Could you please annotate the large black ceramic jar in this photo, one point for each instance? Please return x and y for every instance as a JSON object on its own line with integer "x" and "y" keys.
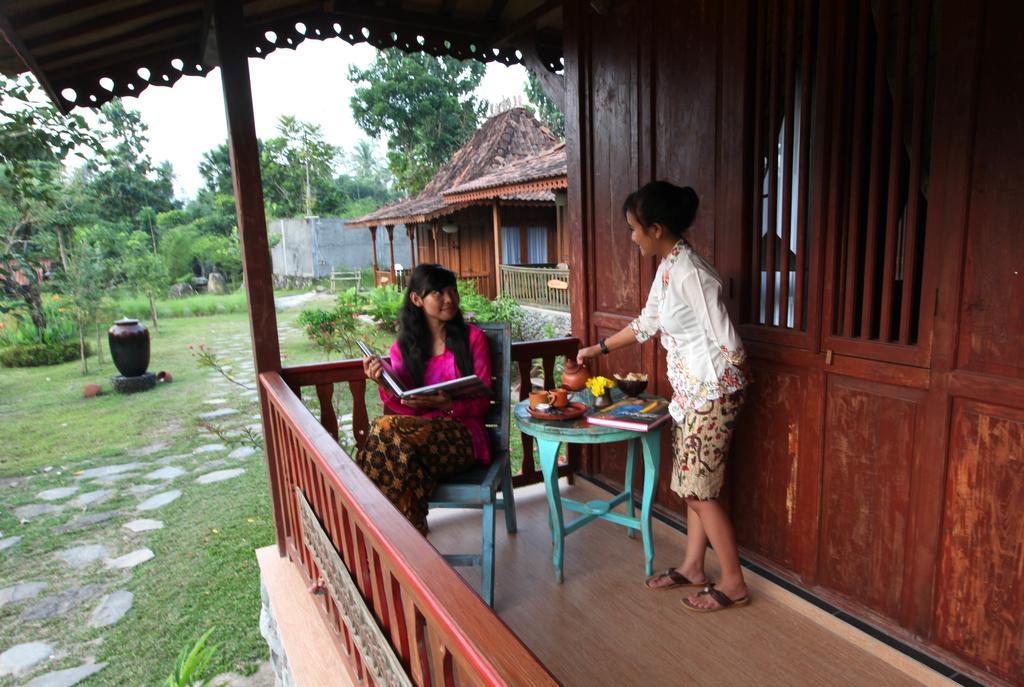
{"x": 129, "y": 347}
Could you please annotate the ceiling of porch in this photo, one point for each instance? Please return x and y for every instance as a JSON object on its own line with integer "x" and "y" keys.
{"x": 86, "y": 52}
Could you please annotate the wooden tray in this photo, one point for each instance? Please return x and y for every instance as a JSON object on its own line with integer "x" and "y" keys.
{"x": 570, "y": 412}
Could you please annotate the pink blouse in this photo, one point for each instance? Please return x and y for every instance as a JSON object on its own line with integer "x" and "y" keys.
{"x": 441, "y": 368}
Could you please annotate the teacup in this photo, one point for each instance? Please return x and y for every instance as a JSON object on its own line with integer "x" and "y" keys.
{"x": 557, "y": 398}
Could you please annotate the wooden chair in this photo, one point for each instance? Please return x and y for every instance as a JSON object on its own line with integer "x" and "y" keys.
{"x": 478, "y": 487}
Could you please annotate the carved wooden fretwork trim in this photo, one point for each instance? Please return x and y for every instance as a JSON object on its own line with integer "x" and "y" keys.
{"x": 378, "y": 656}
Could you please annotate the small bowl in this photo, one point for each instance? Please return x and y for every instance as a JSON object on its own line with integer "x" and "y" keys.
{"x": 630, "y": 387}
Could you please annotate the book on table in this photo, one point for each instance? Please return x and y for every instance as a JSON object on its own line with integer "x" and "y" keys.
{"x": 469, "y": 386}
{"x": 632, "y": 413}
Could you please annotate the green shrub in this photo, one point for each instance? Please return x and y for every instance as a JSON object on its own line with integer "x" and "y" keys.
{"x": 333, "y": 331}
{"x": 383, "y": 304}
{"x": 477, "y": 308}
{"x": 60, "y": 327}
{"x": 39, "y": 354}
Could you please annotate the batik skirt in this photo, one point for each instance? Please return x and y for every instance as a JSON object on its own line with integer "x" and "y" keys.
{"x": 701, "y": 445}
{"x": 406, "y": 456}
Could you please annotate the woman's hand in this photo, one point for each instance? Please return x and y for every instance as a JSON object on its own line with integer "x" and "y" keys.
{"x": 439, "y": 401}
{"x": 586, "y": 353}
{"x": 372, "y": 368}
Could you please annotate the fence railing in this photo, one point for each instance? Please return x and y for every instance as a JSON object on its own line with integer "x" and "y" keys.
{"x": 546, "y": 287}
{"x": 440, "y": 631}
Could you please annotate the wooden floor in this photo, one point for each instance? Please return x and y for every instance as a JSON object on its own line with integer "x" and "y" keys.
{"x": 601, "y": 627}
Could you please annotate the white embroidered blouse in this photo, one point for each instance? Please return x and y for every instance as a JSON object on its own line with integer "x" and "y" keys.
{"x": 705, "y": 353}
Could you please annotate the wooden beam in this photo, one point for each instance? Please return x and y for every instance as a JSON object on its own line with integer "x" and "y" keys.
{"x": 552, "y": 84}
{"x": 252, "y": 224}
{"x": 390, "y": 229}
{"x": 524, "y": 23}
{"x": 412, "y": 244}
{"x": 373, "y": 241}
{"x": 496, "y": 219}
{"x": 494, "y": 13}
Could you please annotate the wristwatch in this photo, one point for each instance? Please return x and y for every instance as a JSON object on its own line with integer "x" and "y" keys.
{"x": 604, "y": 347}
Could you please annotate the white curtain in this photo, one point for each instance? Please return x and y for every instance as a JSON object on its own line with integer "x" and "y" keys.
{"x": 537, "y": 245}
{"x": 510, "y": 245}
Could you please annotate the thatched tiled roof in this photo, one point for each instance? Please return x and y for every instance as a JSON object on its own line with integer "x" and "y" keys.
{"x": 533, "y": 176}
{"x": 506, "y": 138}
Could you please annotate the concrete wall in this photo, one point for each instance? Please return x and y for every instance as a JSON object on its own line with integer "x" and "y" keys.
{"x": 311, "y": 247}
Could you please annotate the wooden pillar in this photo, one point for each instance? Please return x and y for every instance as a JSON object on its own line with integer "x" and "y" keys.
{"x": 390, "y": 229}
{"x": 433, "y": 235}
{"x": 252, "y": 224}
{"x": 412, "y": 244}
{"x": 496, "y": 217}
{"x": 373, "y": 242}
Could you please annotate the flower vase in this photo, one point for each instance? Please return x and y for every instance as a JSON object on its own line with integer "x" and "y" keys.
{"x": 603, "y": 401}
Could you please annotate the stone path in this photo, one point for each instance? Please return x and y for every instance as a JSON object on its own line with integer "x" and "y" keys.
{"x": 100, "y": 516}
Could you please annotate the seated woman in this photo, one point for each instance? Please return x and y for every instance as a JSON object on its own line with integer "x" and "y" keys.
{"x": 427, "y": 437}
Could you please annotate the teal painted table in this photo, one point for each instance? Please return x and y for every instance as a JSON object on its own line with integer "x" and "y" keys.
{"x": 550, "y": 435}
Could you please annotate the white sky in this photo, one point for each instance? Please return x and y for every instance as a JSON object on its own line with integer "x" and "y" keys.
{"x": 310, "y": 82}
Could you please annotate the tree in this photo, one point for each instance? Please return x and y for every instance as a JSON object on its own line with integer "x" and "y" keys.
{"x": 298, "y": 167}
{"x": 145, "y": 272}
{"x": 546, "y": 110}
{"x": 423, "y": 104}
{"x": 215, "y": 169}
{"x": 34, "y": 140}
{"x": 85, "y": 281}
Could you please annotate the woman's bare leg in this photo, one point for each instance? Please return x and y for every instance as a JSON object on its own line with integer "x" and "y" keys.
{"x": 719, "y": 531}
{"x": 692, "y": 567}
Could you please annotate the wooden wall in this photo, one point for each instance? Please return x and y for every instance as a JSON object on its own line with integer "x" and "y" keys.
{"x": 886, "y": 475}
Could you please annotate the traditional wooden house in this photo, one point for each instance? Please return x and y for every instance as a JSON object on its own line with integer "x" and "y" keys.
{"x": 465, "y": 236}
{"x": 869, "y": 148}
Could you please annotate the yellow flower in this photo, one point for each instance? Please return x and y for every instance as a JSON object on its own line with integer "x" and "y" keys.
{"x": 55, "y": 297}
{"x": 599, "y": 385}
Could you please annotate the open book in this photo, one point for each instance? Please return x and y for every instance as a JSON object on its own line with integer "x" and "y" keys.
{"x": 633, "y": 413}
{"x": 469, "y": 386}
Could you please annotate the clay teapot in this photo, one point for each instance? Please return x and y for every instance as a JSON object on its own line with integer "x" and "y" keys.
{"x": 575, "y": 376}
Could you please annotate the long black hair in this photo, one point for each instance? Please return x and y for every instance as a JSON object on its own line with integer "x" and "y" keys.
{"x": 664, "y": 203}
{"x": 414, "y": 338}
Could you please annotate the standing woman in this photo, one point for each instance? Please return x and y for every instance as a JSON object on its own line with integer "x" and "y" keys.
{"x": 427, "y": 438}
{"x": 705, "y": 361}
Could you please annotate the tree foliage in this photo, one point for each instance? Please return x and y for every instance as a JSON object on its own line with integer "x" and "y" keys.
{"x": 545, "y": 109}
{"x": 424, "y": 105}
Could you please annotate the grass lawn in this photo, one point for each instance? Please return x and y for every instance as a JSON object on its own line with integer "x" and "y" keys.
{"x": 204, "y": 573}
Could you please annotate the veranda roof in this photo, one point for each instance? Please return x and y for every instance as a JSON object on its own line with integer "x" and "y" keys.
{"x": 86, "y": 52}
{"x": 506, "y": 138}
{"x": 533, "y": 177}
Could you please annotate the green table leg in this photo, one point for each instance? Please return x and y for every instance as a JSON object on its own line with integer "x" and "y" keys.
{"x": 652, "y": 454}
{"x": 628, "y": 484}
{"x": 548, "y": 451}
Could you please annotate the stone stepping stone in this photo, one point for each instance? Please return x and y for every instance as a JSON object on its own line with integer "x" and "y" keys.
{"x": 112, "y": 608}
{"x": 140, "y": 489}
{"x": 91, "y": 498}
{"x": 257, "y": 427}
{"x": 242, "y": 452}
{"x": 22, "y": 591}
{"x": 210, "y": 465}
{"x": 151, "y": 449}
{"x": 34, "y": 510}
{"x": 167, "y": 460}
{"x": 215, "y": 401}
{"x": 143, "y": 525}
{"x": 61, "y": 603}
{"x": 159, "y": 501}
{"x": 130, "y": 560}
{"x": 219, "y": 476}
{"x": 108, "y": 470}
{"x": 57, "y": 494}
{"x": 165, "y": 473}
{"x": 67, "y": 678}
{"x": 8, "y": 542}
{"x": 220, "y": 412}
{"x": 113, "y": 479}
{"x": 81, "y": 556}
{"x": 209, "y": 448}
{"x": 21, "y": 658}
{"x": 83, "y": 521}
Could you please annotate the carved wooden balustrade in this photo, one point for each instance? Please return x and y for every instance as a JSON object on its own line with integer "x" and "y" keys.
{"x": 439, "y": 629}
{"x": 547, "y": 287}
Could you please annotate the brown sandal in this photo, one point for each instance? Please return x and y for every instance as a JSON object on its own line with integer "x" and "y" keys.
{"x": 678, "y": 580}
{"x": 723, "y": 601}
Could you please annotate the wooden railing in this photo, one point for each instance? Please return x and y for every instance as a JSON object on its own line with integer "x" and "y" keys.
{"x": 441, "y": 632}
{"x": 547, "y": 287}
{"x": 324, "y": 377}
